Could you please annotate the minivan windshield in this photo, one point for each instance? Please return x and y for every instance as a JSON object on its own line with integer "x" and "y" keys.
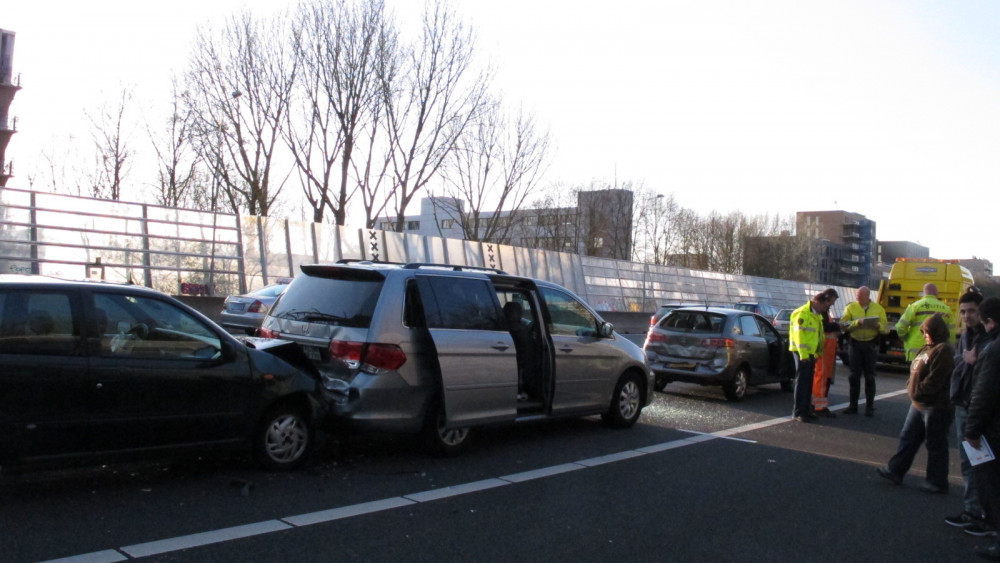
{"x": 329, "y": 300}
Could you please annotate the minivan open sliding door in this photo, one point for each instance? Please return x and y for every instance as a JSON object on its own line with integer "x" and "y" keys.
{"x": 474, "y": 349}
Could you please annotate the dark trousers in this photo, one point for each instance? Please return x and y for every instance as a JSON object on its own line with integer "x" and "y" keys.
{"x": 929, "y": 427}
{"x": 803, "y": 386}
{"x": 987, "y": 477}
{"x": 862, "y": 357}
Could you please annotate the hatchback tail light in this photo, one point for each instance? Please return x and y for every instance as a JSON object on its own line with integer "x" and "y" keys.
{"x": 368, "y": 356}
{"x": 654, "y": 336}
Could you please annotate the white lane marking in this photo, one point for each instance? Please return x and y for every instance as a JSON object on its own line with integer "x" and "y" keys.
{"x": 455, "y": 490}
{"x": 347, "y": 511}
{"x": 543, "y": 472}
{"x": 106, "y": 556}
{"x": 205, "y": 538}
{"x": 226, "y": 534}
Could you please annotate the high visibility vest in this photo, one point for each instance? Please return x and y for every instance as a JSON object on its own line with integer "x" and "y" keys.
{"x": 805, "y": 332}
{"x": 908, "y": 326}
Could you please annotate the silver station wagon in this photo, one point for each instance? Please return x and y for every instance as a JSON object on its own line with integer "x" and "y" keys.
{"x": 440, "y": 350}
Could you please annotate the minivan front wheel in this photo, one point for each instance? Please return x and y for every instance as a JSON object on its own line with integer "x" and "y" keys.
{"x": 441, "y": 440}
{"x": 626, "y": 402}
{"x": 284, "y": 438}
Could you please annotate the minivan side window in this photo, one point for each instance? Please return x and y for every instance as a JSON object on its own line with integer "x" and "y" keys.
{"x": 463, "y": 304}
{"x": 569, "y": 316}
{"x": 38, "y": 323}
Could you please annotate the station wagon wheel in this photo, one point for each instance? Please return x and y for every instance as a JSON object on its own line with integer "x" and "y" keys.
{"x": 284, "y": 438}
{"x": 441, "y": 440}
{"x": 626, "y": 402}
{"x": 736, "y": 389}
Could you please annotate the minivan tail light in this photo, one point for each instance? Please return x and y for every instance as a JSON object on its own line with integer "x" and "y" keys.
{"x": 368, "y": 356}
{"x": 384, "y": 356}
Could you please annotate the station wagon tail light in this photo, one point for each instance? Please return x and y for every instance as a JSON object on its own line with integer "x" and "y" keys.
{"x": 371, "y": 357}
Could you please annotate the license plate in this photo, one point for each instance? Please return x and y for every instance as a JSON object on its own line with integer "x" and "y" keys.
{"x": 313, "y": 353}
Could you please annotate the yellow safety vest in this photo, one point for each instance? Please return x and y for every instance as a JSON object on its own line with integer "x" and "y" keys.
{"x": 805, "y": 332}
{"x": 914, "y": 316}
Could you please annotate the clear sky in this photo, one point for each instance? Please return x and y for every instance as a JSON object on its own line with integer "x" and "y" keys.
{"x": 889, "y": 108}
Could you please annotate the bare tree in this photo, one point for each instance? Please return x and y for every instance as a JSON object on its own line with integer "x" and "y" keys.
{"x": 430, "y": 94}
{"x": 654, "y": 235}
{"x": 495, "y": 166}
{"x": 550, "y": 221}
{"x": 338, "y": 44}
{"x": 239, "y": 91}
{"x": 177, "y": 171}
{"x": 113, "y": 152}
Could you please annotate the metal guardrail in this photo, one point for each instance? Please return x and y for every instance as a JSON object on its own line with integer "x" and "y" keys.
{"x": 183, "y": 251}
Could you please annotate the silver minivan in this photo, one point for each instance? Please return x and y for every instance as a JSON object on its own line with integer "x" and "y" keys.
{"x": 441, "y": 350}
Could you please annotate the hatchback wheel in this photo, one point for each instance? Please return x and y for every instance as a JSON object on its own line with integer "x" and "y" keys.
{"x": 284, "y": 439}
{"x": 626, "y": 402}
{"x": 736, "y": 389}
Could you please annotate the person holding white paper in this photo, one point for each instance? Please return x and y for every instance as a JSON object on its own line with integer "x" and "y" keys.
{"x": 983, "y": 420}
{"x": 972, "y": 340}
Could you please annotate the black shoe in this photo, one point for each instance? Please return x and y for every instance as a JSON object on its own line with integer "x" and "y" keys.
{"x": 803, "y": 419}
{"x": 932, "y": 488}
{"x": 812, "y": 417}
{"x": 991, "y": 553}
{"x": 851, "y": 410}
{"x": 963, "y": 520}
{"x": 825, "y": 413}
{"x": 980, "y": 530}
{"x": 870, "y": 410}
{"x": 884, "y": 473}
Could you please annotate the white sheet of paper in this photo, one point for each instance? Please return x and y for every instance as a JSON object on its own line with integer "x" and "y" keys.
{"x": 978, "y": 455}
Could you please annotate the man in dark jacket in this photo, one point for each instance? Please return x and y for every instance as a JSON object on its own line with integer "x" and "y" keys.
{"x": 983, "y": 421}
{"x": 972, "y": 340}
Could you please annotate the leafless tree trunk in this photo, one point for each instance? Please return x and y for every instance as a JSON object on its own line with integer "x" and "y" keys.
{"x": 111, "y": 136}
{"x": 240, "y": 85}
{"x": 338, "y": 44}
{"x": 495, "y": 166}
{"x": 430, "y": 94}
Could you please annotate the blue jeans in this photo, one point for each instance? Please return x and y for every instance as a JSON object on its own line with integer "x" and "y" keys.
{"x": 803, "y": 386}
{"x": 970, "y": 499}
{"x": 929, "y": 427}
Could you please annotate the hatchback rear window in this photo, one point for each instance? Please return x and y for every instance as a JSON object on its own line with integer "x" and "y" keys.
{"x": 694, "y": 321}
{"x": 331, "y": 299}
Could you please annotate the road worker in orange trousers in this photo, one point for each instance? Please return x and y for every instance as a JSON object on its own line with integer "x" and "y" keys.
{"x": 826, "y": 365}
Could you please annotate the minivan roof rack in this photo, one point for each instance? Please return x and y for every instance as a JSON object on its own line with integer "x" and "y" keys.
{"x": 418, "y": 265}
